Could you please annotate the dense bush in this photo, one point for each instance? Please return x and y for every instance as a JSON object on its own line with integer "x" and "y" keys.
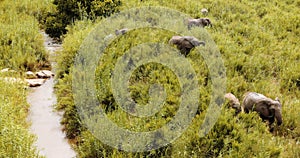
{"x": 258, "y": 43}
{"x": 21, "y": 44}
{"x": 68, "y": 11}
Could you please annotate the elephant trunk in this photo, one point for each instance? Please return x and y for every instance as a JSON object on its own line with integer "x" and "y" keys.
{"x": 202, "y": 43}
{"x": 278, "y": 117}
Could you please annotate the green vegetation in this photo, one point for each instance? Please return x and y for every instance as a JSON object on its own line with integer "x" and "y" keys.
{"x": 21, "y": 49}
{"x": 15, "y": 139}
{"x": 21, "y": 44}
{"x": 258, "y": 42}
{"x": 67, "y": 12}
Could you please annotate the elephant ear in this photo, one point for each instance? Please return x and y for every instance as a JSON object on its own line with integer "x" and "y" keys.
{"x": 272, "y": 110}
{"x": 264, "y": 102}
{"x": 188, "y": 41}
{"x": 208, "y": 22}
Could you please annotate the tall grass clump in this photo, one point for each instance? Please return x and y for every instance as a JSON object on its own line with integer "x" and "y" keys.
{"x": 21, "y": 49}
{"x": 21, "y": 44}
{"x": 15, "y": 139}
{"x": 258, "y": 42}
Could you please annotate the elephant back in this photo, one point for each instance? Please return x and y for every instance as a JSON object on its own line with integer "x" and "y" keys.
{"x": 251, "y": 99}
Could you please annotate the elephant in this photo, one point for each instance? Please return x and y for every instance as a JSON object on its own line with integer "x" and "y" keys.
{"x": 234, "y": 102}
{"x": 121, "y": 31}
{"x": 185, "y": 43}
{"x": 200, "y": 22}
{"x": 267, "y": 108}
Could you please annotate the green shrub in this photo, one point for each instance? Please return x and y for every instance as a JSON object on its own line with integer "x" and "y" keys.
{"x": 72, "y": 42}
{"x": 67, "y": 12}
{"x": 71, "y": 120}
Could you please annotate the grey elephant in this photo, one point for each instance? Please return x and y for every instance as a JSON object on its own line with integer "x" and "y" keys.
{"x": 185, "y": 43}
{"x": 200, "y": 22}
{"x": 267, "y": 108}
{"x": 121, "y": 31}
{"x": 233, "y": 102}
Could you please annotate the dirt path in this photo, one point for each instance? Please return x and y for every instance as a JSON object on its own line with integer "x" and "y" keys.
{"x": 45, "y": 121}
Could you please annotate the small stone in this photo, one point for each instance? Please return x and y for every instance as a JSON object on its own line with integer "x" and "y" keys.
{"x": 40, "y": 74}
{"x": 44, "y": 74}
{"x": 35, "y": 82}
{"x": 48, "y": 73}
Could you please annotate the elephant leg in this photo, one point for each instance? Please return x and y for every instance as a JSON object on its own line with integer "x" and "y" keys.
{"x": 242, "y": 109}
{"x": 271, "y": 120}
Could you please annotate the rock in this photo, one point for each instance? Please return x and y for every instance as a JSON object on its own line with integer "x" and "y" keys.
{"x": 48, "y": 73}
{"x": 35, "y": 82}
{"x": 40, "y": 74}
{"x": 30, "y": 75}
{"x": 44, "y": 74}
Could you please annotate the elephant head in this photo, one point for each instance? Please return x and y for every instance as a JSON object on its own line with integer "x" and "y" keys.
{"x": 121, "y": 31}
{"x": 233, "y": 102}
{"x": 205, "y": 22}
{"x": 185, "y": 43}
{"x": 201, "y": 22}
{"x": 267, "y": 108}
{"x": 276, "y": 107}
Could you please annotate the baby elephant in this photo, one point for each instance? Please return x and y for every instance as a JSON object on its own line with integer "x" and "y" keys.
{"x": 201, "y": 22}
{"x": 185, "y": 43}
{"x": 267, "y": 108}
{"x": 234, "y": 102}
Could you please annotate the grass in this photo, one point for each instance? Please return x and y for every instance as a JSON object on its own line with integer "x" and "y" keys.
{"x": 21, "y": 44}
{"x": 21, "y": 49}
{"x": 15, "y": 139}
{"x": 258, "y": 43}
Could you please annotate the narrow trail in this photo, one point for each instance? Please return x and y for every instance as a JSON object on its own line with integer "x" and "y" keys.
{"x": 45, "y": 120}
